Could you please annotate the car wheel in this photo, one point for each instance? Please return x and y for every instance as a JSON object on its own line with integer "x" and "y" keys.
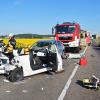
{"x": 16, "y": 75}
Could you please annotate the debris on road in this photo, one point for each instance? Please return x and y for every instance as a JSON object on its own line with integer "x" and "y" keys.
{"x": 24, "y": 91}
{"x": 90, "y": 83}
{"x": 5, "y": 80}
{"x": 29, "y": 78}
{"x": 7, "y": 91}
{"x": 94, "y": 82}
{"x": 19, "y": 82}
{"x": 92, "y": 55}
{"x": 74, "y": 56}
{"x": 42, "y": 89}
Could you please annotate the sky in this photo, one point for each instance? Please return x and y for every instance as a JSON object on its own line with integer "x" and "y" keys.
{"x": 39, "y": 16}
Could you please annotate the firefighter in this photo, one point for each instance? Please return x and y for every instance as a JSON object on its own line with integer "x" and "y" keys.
{"x": 27, "y": 49}
{"x": 11, "y": 45}
{"x": 2, "y": 44}
{"x": 12, "y": 40}
{"x": 9, "y": 52}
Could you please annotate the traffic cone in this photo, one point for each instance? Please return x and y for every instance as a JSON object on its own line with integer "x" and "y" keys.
{"x": 83, "y": 61}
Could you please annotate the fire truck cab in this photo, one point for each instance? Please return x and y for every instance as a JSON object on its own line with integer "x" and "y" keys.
{"x": 69, "y": 34}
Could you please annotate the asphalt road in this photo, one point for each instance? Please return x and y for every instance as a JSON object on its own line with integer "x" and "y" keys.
{"x": 49, "y": 87}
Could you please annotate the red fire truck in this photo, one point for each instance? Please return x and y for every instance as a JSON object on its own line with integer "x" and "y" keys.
{"x": 69, "y": 34}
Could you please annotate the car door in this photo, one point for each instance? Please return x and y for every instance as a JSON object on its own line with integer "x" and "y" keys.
{"x": 60, "y": 47}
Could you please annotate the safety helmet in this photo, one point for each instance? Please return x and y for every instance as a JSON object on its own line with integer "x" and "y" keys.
{"x": 11, "y": 35}
{"x": 93, "y": 76}
{"x": 1, "y": 39}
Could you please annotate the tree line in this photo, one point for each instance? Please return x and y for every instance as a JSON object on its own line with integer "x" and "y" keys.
{"x": 28, "y": 35}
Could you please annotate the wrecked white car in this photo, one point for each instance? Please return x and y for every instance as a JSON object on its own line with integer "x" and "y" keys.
{"x": 39, "y": 60}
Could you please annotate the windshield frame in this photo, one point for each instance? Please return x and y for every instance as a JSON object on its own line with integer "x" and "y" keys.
{"x": 65, "y": 29}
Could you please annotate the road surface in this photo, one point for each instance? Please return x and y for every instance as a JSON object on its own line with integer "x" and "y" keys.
{"x": 62, "y": 86}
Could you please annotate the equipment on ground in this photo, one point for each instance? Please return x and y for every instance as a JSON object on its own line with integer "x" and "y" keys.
{"x": 92, "y": 82}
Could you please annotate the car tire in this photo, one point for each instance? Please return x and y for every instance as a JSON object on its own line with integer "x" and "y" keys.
{"x": 16, "y": 75}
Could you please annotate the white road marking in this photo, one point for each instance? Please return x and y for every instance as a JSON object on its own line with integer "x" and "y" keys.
{"x": 5, "y": 80}
{"x": 64, "y": 91}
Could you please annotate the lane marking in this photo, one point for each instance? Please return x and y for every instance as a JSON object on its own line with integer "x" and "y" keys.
{"x": 64, "y": 91}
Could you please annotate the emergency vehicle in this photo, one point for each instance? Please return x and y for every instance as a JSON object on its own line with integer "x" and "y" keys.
{"x": 69, "y": 34}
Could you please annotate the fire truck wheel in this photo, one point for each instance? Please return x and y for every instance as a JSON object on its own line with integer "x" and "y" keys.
{"x": 16, "y": 75}
{"x": 77, "y": 50}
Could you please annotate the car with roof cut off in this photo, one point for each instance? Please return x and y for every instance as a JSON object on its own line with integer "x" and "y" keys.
{"x": 46, "y": 43}
{"x": 43, "y": 56}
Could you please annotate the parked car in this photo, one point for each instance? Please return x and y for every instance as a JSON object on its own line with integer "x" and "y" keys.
{"x": 45, "y": 43}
